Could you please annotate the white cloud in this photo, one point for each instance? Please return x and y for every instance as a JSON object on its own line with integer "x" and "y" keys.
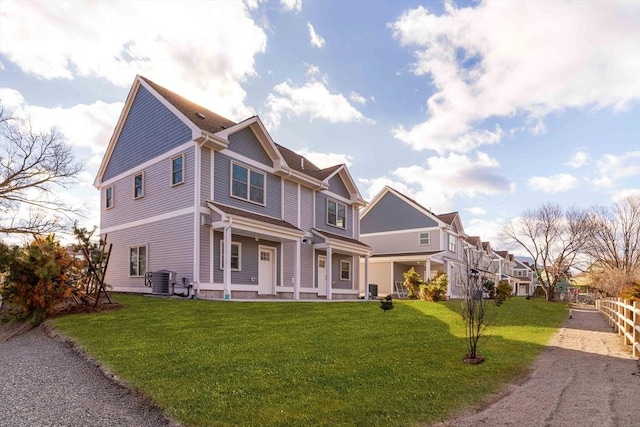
{"x": 436, "y": 184}
{"x": 626, "y": 192}
{"x": 476, "y": 210}
{"x": 291, "y": 5}
{"x": 201, "y": 50}
{"x": 324, "y": 160}
{"x": 316, "y": 40}
{"x": 612, "y": 168}
{"x": 578, "y": 160}
{"x": 553, "y": 184}
{"x": 518, "y": 59}
{"x": 488, "y": 230}
{"x": 314, "y": 100}
{"x": 82, "y": 125}
{"x": 356, "y": 97}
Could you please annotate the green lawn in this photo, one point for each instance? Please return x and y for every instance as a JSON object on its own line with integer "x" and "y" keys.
{"x": 264, "y": 363}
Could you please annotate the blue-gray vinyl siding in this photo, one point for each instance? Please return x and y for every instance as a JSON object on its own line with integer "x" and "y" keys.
{"x": 392, "y": 213}
{"x": 244, "y": 142}
{"x": 337, "y": 282}
{"x": 222, "y": 190}
{"x": 291, "y": 202}
{"x": 160, "y": 197}
{"x": 248, "y": 261}
{"x": 306, "y": 209}
{"x": 321, "y": 216}
{"x": 169, "y": 247}
{"x": 205, "y": 181}
{"x": 336, "y": 186}
{"x": 149, "y": 130}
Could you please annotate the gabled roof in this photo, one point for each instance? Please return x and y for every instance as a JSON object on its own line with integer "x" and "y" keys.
{"x": 211, "y": 122}
{"x": 212, "y": 127}
{"x": 453, "y": 220}
{"x": 406, "y": 199}
{"x": 333, "y": 236}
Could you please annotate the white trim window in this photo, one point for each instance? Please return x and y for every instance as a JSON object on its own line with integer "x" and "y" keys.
{"x": 138, "y": 186}
{"x": 177, "y": 170}
{"x": 452, "y": 242}
{"x": 247, "y": 184}
{"x": 336, "y": 214}
{"x": 236, "y": 256}
{"x": 108, "y": 197}
{"x": 137, "y": 260}
{"x": 424, "y": 239}
{"x": 345, "y": 270}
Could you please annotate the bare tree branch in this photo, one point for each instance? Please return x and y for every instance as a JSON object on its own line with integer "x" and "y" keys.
{"x": 32, "y": 165}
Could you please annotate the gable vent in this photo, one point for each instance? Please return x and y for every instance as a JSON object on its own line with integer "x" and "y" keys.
{"x": 199, "y": 115}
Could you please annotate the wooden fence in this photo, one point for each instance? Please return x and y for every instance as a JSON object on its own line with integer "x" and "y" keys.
{"x": 624, "y": 317}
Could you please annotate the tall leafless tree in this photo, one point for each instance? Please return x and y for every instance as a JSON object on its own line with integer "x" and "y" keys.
{"x": 32, "y": 164}
{"x": 614, "y": 245}
{"x": 555, "y": 239}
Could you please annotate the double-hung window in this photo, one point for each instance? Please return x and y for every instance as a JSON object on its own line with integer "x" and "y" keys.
{"x": 452, "y": 243}
{"x": 108, "y": 197}
{"x": 137, "y": 261}
{"x": 177, "y": 170}
{"x": 345, "y": 270}
{"x": 247, "y": 184}
{"x": 236, "y": 257}
{"x": 336, "y": 214}
{"x": 138, "y": 189}
{"x": 425, "y": 239}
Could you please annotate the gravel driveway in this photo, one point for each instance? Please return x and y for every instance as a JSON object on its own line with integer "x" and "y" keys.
{"x": 585, "y": 377}
{"x": 44, "y": 382}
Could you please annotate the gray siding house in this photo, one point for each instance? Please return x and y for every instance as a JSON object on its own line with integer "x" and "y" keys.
{"x": 219, "y": 203}
{"x": 403, "y": 234}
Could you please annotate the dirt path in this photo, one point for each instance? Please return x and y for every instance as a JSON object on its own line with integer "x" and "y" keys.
{"x": 584, "y": 377}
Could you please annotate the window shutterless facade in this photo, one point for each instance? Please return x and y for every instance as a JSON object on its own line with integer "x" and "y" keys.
{"x": 138, "y": 186}
{"x": 137, "y": 261}
{"x": 336, "y": 214}
{"x": 247, "y": 184}
{"x": 345, "y": 270}
{"x": 452, "y": 243}
{"x": 425, "y": 239}
{"x": 108, "y": 197}
{"x": 236, "y": 256}
{"x": 177, "y": 170}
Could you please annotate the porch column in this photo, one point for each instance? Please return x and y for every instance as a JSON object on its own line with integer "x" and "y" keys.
{"x": 227, "y": 262}
{"x": 296, "y": 272}
{"x": 329, "y": 272}
{"x": 366, "y": 276}
{"x": 427, "y": 269}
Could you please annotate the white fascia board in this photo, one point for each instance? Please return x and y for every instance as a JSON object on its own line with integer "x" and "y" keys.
{"x": 403, "y": 231}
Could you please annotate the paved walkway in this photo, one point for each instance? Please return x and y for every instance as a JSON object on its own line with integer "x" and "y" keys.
{"x": 584, "y": 378}
{"x": 44, "y": 382}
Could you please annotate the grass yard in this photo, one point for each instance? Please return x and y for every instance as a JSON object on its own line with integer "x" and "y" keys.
{"x": 296, "y": 364}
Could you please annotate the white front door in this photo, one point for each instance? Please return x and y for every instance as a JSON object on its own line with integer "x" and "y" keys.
{"x": 322, "y": 275}
{"x": 266, "y": 270}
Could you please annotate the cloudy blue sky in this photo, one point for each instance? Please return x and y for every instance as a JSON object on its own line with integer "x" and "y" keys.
{"x": 485, "y": 108}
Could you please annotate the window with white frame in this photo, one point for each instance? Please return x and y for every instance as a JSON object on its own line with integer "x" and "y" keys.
{"x": 236, "y": 256}
{"x": 137, "y": 260}
{"x": 247, "y": 184}
{"x": 519, "y": 273}
{"x": 425, "y": 238}
{"x": 177, "y": 170}
{"x": 452, "y": 243}
{"x": 138, "y": 183}
{"x": 336, "y": 214}
{"x": 108, "y": 197}
{"x": 345, "y": 270}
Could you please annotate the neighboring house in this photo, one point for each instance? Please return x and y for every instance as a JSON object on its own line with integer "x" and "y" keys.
{"x": 223, "y": 206}
{"x": 523, "y": 278}
{"x": 403, "y": 234}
